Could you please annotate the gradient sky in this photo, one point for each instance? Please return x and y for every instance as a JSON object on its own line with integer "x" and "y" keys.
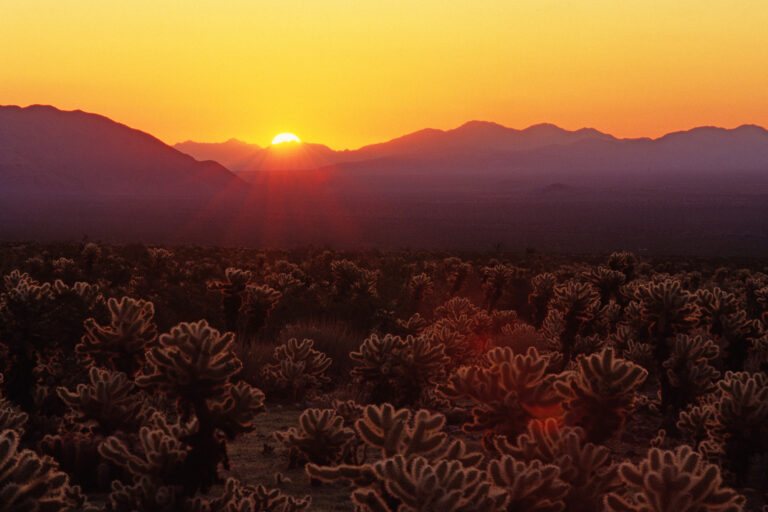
{"x": 351, "y": 72}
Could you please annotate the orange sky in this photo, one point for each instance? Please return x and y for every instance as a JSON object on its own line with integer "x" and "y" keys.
{"x": 352, "y": 72}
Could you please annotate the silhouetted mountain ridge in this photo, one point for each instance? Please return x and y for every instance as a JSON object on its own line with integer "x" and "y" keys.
{"x": 42, "y": 147}
{"x": 542, "y": 148}
{"x": 704, "y": 191}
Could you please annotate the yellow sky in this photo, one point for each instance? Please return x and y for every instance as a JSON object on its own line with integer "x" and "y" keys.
{"x": 352, "y": 72}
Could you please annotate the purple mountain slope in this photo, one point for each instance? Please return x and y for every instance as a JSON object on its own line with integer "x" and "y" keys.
{"x": 43, "y": 149}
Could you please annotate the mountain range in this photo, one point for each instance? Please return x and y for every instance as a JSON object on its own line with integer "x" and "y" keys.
{"x": 478, "y": 186}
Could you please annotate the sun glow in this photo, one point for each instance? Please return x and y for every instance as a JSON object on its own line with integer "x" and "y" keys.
{"x": 285, "y": 137}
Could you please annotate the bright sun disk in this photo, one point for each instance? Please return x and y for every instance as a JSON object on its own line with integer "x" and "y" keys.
{"x": 285, "y": 137}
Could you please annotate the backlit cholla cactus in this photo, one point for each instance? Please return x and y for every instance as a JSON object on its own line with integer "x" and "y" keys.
{"x": 122, "y": 344}
{"x": 456, "y": 273}
{"x": 259, "y": 303}
{"x": 673, "y": 481}
{"x": 394, "y": 433}
{"x": 29, "y": 482}
{"x": 688, "y": 369}
{"x": 159, "y": 256}
{"x": 465, "y": 330}
{"x": 91, "y": 253}
{"x": 661, "y": 309}
{"x": 625, "y": 262}
{"x": 107, "y": 404}
{"x": 588, "y": 469}
{"x": 420, "y": 286}
{"x": 509, "y": 390}
{"x": 665, "y": 309}
{"x": 37, "y": 321}
{"x": 159, "y": 465}
{"x": 349, "y": 410}
{"x": 529, "y": 485}
{"x": 418, "y": 484}
{"x": 321, "y": 438}
{"x": 413, "y": 326}
{"x": 696, "y": 423}
{"x": 458, "y": 346}
{"x": 194, "y": 365}
{"x": 607, "y": 281}
{"x": 11, "y": 418}
{"x": 237, "y": 497}
{"x": 600, "y": 394}
{"x": 739, "y": 429}
{"x": 496, "y": 279}
{"x": 350, "y": 280}
{"x": 542, "y": 291}
{"x": 396, "y": 369}
{"x": 299, "y": 368}
{"x": 391, "y": 431}
{"x": 722, "y": 316}
{"x": 232, "y": 290}
{"x": 571, "y": 311}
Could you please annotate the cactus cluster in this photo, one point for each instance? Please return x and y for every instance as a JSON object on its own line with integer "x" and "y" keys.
{"x": 395, "y": 381}
{"x": 396, "y": 369}
{"x": 508, "y": 390}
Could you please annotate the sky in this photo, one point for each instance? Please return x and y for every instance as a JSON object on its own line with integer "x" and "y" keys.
{"x": 351, "y": 72}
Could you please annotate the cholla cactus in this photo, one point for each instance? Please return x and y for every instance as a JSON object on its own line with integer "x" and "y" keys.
{"x": 160, "y": 466}
{"x": 107, "y": 404}
{"x": 420, "y": 286}
{"x": 349, "y": 410}
{"x": 122, "y": 344}
{"x": 238, "y": 497}
{"x": 232, "y": 290}
{"x": 456, "y": 308}
{"x": 458, "y": 346}
{"x": 456, "y": 273}
{"x": 420, "y": 485}
{"x": 396, "y": 433}
{"x": 393, "y": 431}
{"x": 722, "y": 316}
{"x": 321, "y": 437}
{"x": 300, "y": 368}
{"x": 696, "y": 423}
{"x": 530, "y": 486}
{"x": 158, "y": 256}
{"x": 688, "y": 369}
{"x": 194, "y": 365}
{"x": 11, "y": 418}
{"x": 398, "y": 369}
{"x": 259, "y": 303}
{"x": 665, "y": 309}
{"x": 673, "y": 481}
{"x": 29, "y": 482}
{"x": 542, "y": 291}
{"x": 625, "y": 262}
{"x": 495, "y": 282}
{"x": 37, "y": 320}
{"x": 740, "y": 426}
{"x": 588, "y": 469}
{"x": 607, "y": 281}
{"x": 509, "y": 390}
{"x": 350, "y": 280}
{"x": 572, "y": 309}
{"x": 389, "y": 432}
{"x": 414, "y": 325}
{"x": 91, "y": 253}
{"x": 600, "y": 395}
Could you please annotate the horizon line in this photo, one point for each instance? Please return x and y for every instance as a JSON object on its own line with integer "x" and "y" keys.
{"x": 442, "y": 130}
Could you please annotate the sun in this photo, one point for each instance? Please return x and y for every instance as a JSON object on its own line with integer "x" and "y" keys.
{"x": 285, "y": 137}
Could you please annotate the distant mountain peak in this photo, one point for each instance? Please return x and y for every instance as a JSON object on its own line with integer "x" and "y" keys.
{"x": 481, "y": 124}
